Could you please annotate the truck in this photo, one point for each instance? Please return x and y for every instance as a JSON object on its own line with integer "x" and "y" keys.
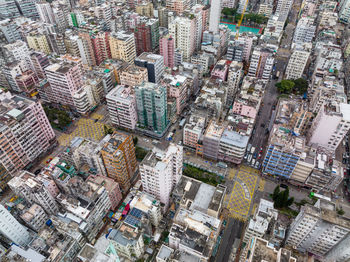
{"x": 170, "y": 136}
{"x": 277, "y": 74}
{"x": 182, "y": 123}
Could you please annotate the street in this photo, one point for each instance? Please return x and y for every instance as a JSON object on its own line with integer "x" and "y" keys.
{"x": 233, "y": 230}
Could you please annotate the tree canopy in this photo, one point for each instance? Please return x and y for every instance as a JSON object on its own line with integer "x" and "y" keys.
{"x": 298, "y": 86}
{"x": 281, "y": 199}
{"x": 285, "y": 86}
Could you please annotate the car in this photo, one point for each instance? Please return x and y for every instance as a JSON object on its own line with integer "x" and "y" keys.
{"x": 249, "y": 158}
{"x": 259, "y": 156}
{"x": 257, "y": 164}
{"x": 255, "y": 155}
{"x": 37, "y": 171}
{"x": 253, "y": 162}
{"x": 180, "y": 143}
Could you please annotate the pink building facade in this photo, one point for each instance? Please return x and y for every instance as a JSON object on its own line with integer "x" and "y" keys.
{"x": 220, "y": 70}
{"x": 65, "y": 79}
{"x": 167, "y": 50}
{"x": 112, "y": 187}
{"x": 244, "y": 110}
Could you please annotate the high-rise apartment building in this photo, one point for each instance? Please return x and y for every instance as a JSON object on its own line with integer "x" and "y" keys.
{"x": 10, "y": 71}
{"x": 145, "y": 9}
{"x": 151, "y": 104}
{"x": 154, "y": 64}
{"x": 147, "y": 35}
{"x": 122, "y": 45}
{"x": 25, "y": 132}
{"x": 45, "y": 12}
{"x": 18, "y": 51}
{"x": 33, "y": 190}
{"x": 65, "y": 79}
{"x": 112, "y": 188}
{"x": 330, "y": 126}
{"x": 118, "y": 155}
{"x": 318, "y": 229}
{"x": 100, "y": 45}
{"x": 198, "y": 12}
{"x": 215, "y": 14}
{"x": 38, "y": 42}
{"x": 235, "y": 73}
{"x": 103, "y": 12}
{"x": 4, "y": 177}
{"x": 296, "y": 64}
{"x": 305, "y": 30}
{"x": 344, "y": 12}
{"x": 39, "y": 61}
{"x": 121, "y": 105}
{"x": 28, "y": 9}
{"x": 261, "y": 63}
{"x": 283, "y": 7}
{"x": 9, "y": 29}
{"x": 167, "y": 50}
{"x": 182, "y": 29}
{"x": 160, "y": 171}
{"x": 12, "y": 229}
{"x": 86, "y": 49}
{"x": 8, "y": 9}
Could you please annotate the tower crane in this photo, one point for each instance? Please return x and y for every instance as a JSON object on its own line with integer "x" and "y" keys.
{"x": 241, "y": 19}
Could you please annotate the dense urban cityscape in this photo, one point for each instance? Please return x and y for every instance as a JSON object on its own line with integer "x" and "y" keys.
{"x": 174, "y": 130}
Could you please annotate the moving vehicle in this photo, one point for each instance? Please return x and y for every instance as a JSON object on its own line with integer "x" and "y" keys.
{"x": 221, "y": 164}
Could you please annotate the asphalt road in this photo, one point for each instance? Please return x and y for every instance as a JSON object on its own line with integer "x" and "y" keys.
{"x": 233, "y": 230}
{"x": 260, "y": 137}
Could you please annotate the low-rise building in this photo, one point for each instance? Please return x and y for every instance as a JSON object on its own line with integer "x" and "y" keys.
{"x": 232, "y": 146}
{"x": 148, "y": 205}
{"x": 34, "y": 191}
{"x": 133, "y": 75}
{"x": 192, "y": 194}
{"x": 86, "y": 205}
{"x": 193, "y": 130}
{"x": 259, "y": 250}
{"x": 35, "y": 217}
{"x": 127, "y": 241}
{"x": 264, "y": 217}
{"x": 112, "y": 187}
{"x": 194, "y": 232}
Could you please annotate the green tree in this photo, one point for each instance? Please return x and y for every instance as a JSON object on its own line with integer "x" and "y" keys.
{"x": 281, "y": 198}
{"x": 107, "y": 130}
{"x": 140, "y": 153}
{"x": 300, "y": 86}
{"x": 285, "y": 86}
{"x": 340, "y": 211}
{"x": 276, "y": 193}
